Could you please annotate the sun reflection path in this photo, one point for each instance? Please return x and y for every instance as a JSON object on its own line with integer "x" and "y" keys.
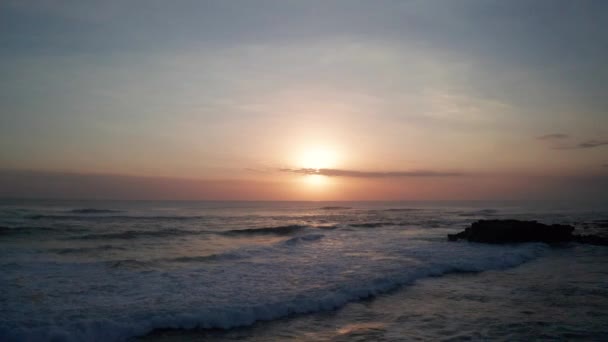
{"x": 316, "y": 179}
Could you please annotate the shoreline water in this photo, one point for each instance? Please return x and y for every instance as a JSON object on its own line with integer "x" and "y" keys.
{"x": 115, "y": 270}
{"x": 540, "y": 297}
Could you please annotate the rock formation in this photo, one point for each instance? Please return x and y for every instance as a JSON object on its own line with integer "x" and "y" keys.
{"x": 513, "y": 231}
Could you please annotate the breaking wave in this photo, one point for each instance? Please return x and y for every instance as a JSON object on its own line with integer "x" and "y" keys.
{"x": 255, "y": 306}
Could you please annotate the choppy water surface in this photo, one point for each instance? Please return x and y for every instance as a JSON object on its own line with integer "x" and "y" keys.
{"x": 118, "y": 270}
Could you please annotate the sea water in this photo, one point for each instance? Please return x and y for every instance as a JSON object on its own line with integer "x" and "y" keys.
{"x": 309, "y": 271}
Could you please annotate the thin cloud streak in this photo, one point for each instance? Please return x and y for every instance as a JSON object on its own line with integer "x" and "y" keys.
{"x": 584, "y": 144}
{"x": 372, "y": 174}
{"x": 553, "y": 136}
{"x": 592, "y": 143}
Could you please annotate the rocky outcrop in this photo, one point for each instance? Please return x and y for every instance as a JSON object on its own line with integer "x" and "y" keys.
{"x": 513, "y": 231}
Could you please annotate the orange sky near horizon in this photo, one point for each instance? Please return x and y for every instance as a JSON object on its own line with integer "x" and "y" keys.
{"x": 57, "y": 185}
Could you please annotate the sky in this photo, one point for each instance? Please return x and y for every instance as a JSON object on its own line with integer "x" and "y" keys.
{"x": 304, "y": 100}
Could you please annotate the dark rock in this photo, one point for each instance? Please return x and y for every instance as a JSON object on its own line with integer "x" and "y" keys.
{"x": 511, "y": 231}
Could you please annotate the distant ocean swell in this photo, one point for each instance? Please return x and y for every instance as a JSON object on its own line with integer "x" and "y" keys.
{"x": 174, "y": 232}
{"x": 93, "y": 217}
{"x": 97, "y": 213}
{"x": 219, "y": 257}
{"x": 84, "y": 250}
{"x": 134, "y": 234}
{"x": 28, "y": 230}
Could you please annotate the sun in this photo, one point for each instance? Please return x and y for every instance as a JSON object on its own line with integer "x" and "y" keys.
{"x": 317, "y": 158}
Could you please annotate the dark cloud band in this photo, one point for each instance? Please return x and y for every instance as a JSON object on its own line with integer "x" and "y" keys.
{"x": 584, "y": 144}
{"x": 372, "y": 174}
{"x": 553, "y": 136}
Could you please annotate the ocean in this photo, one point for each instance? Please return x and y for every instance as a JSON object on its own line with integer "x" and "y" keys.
{"x": 298, "y": 271}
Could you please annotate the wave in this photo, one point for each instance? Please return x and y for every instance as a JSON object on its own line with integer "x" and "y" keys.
{"x": 327, "y": 226}
{"x": 94, "y": 217}
{"x": 94, "y": 211}
{"x": 304, "y": 238}
{"x": 86, "y": 249}
{"x": 482, "y": 212}
{"x": 244, "y": 253}
{"x": 133, "y": 234}
{"x": 7, "y": 231}
{"x": 134, "y": 263}
{"x": 206, "y": 258}
{"x": 401, "y": 209}
{"x": 601, "y": 223}
{"x": 227, "y": 315}
{"x": 371, "y": 224}
{"x": 280, "y": 230}
{"x": 150, "y": 263}
{"x": 335, "y": 208}
{"x": 230, "y": 255}
{"x": 130, "y": 264}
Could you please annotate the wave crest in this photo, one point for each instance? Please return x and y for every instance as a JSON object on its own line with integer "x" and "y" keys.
{"x": 371, "y": 224}
{"x": 86, "y": 249}
{"x": 94, "y": 211}
{"x": 279, "y": 230}
{"x": 133, "y": 234}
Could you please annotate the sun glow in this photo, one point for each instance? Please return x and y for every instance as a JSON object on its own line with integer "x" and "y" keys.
{"x": 315, "y": 180}
{"x": 317, "y": 158}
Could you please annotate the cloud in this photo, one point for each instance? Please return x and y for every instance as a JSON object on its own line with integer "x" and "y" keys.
{"x": 553, "y": 136}
{"x": 592, "y": 143}
{"x": 585, "y": 144}
{"x": 372, "y": 174}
